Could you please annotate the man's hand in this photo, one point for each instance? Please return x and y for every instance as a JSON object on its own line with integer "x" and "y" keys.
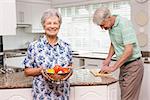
{"x": 106, "y": 62}
{"x": 107, "y": 69}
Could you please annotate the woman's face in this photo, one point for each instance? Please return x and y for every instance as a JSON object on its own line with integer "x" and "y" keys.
{"x": 52, "y": 26}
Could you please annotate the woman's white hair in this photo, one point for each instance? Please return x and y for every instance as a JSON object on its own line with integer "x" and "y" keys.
{"x": 50, "y": 13}
{"x": 100, "y": 14}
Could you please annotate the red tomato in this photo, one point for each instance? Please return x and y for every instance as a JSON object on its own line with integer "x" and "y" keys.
{"x": 65, "y": 70}
{"x": 57, "y": 68}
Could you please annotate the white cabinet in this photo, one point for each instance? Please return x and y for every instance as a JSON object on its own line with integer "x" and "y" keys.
{"x": 37, "y": 12}
{"x": 23, "y": 13}
{"x": 72, "y": 93}
{"x": 14, "y": 62}
{"x": 91, "y": 93}
{"x": 16, "y": 94}
{"x": 23, "y": 94}
{"x": 7, "y": 17}
{"x": 101, "y": 92}
{"x": 145, "y": 88}
{"x": 93, "y": 63}
{"x": 114, "y": 92}
{"x": 78, "y": 62}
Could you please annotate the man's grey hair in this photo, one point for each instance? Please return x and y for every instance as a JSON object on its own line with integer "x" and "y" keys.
{"x": 100, "y": 14}
{"x": 50, "y": 13}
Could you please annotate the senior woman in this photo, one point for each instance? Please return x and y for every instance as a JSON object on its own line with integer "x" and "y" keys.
{"x": 45, "y": 53}
{"x": 124, "y": 44}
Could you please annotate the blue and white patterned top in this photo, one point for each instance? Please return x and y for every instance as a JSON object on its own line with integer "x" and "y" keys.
{"x": 41, "y": 54}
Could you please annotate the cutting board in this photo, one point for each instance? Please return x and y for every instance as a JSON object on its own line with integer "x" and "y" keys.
{"x": 96, "y": 73}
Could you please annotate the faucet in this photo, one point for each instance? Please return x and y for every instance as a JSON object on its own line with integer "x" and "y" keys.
{"x": 1, "y": 65}
{"x": 2, "y": 71}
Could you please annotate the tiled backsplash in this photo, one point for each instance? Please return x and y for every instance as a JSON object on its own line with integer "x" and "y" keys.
{"x": 19, "y": 41}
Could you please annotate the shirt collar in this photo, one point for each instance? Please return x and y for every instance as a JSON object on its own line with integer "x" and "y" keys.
{"x": 44, "y": 39}
{"x": 116, "y": 20}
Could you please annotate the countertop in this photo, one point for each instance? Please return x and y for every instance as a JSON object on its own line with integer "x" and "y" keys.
{"x": 80, "y": 77}
{"x": 102, "y": 56}
{"x": 92, "y": 55}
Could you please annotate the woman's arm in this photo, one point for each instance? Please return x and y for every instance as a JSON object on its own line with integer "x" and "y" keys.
{"x": 33, "y": 71}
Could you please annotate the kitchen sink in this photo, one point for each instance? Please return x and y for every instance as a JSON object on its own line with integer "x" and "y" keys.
{"x": 15, "y": 54}
{"x": 11, "y": 70}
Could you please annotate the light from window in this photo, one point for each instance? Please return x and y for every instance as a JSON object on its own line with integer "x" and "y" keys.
{"x": 78, "y": 29}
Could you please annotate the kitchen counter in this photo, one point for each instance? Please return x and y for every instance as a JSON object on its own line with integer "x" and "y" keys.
{"x": 15, "y": 80}
{"x": 80, "y": 77}
{"x": 102, "y": 56}
{"x": 92, "y": 55}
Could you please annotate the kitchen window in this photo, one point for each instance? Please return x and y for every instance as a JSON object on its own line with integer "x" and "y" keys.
{"x": 78, "y": 29}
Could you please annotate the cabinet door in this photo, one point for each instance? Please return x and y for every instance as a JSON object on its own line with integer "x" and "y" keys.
{"x": 16, "y": 94}
{"x": 23, "y": 13}
{"x": 7, "y": 17}
{"x": 113, "y": 93}
{"x": 72, "y": 92}
{"x": 145, "y": 88}
{"x": 91, "y": 92}
{"x": 37, "y": 12}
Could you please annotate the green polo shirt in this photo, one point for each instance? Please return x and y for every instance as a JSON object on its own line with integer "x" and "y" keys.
{"x": 122, "y": 33}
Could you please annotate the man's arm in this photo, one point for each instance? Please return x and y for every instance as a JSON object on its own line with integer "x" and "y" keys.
{"x": 126, "y": 54}
{"x": 111, "y": 52}
{"x": 109, "y": 56}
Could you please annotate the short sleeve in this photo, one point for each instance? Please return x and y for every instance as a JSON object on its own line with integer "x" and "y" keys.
{"x": 29, "y": 59}
{"x": 128, "y": 34}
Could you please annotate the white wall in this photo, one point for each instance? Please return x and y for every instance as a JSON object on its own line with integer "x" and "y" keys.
{"x": 22, "y": 38}
{"x": 141, "y": 29}
{"x": 19, "y": 41}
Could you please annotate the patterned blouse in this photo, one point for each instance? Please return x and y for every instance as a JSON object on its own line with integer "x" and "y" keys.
{"x": 41, "y": 54}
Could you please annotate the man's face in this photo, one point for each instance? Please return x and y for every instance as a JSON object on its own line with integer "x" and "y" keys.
{"x": 106, "y": 24}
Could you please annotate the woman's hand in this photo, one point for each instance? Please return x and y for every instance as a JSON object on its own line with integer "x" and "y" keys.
{"x": 43, "y": 73}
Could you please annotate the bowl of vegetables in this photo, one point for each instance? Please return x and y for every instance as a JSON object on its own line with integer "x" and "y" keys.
{"x": 57, "y": 73}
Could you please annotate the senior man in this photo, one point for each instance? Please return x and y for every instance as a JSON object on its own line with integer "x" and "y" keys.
{"x": 125, "y": 46}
